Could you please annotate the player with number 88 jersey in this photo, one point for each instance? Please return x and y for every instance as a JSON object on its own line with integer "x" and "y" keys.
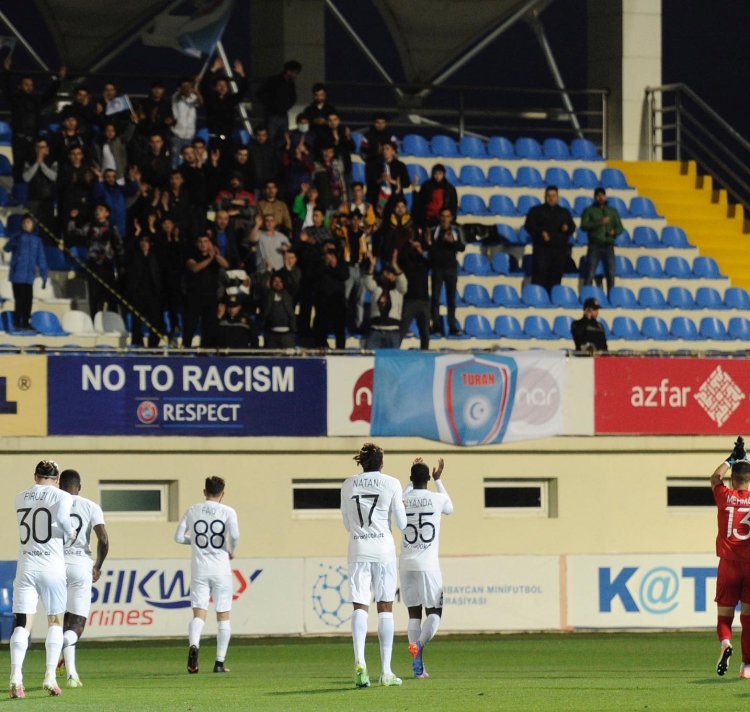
{"x": 212, "y": 531}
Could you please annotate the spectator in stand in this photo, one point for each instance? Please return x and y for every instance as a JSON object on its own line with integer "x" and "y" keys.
{"x": 278, "y": 94}
{"x": 291, "y": 274}
{"x": 171, "y": 253}
{"x": 386, "y": 305}
{"x": 330, "y": 180}
{"x": 445, "y": 242}
{"x": 66, "y": 138}
{"x": 271, "y": 244}
{"x": 155, "y": 166}
{"x": 41, "y": 177}
{"x": 304, "y": 205}
{"x": 203, "y": 266}
{"x": 225, "y": 238}
{"x": 111, "y": 148}
{"x": 241, "y": 165}
{"x": 415, "y": 262}
{"x": 309, "y": 252}
{"x": 28, "y": 255}
{"x": 238, "y": 202}
{"x": 394, "y": 178}
{"x": 396, "y": 233}
{"x": 340, "y": 137}
{"x": 273, "y": 206}
{"x": 197, "y": 185}
{"x": 236, "y": 325}
{"x": 220, "y": 103}
{"x": 74, "y": 187}
{"x": 359, "y": 204}
{"x": 602, "y": 223}
{"x": 84, "y": 109}
{"x": 588, "y": 333}
{"x": 120, "y": 118}
{"x": 264, "y": 159}
{"x": 26, "y": 106}
{"x": 185, "y": 102}
{"x": 435, "y": 195}
{"x": 319, "y": 231}
{"x": 144, "y": 292}
{"x": 551, "y": 226}
{"x": 115, "y": 195}
{"x": 353, "y": 241}
{"x": 201, "y": 151}
{"x": 370, "y": 149}
{"x": 156, "y": 109}
{"x": 330, "y": 299}
{"x": 277, "y": 315}
{"x": 297, "y": 158}
{"x": 175, "y": 203}
{"x": 318, "y": 111}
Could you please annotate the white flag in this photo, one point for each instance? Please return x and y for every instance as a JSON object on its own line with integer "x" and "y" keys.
{"x": 118, "y": 104}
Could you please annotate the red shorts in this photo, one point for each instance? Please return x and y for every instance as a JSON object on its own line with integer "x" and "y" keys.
{"x": 732, "y": 583}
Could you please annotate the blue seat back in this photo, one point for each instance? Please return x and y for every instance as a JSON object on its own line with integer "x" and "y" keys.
{"x": 706, "y": 268}
{"x": 526, "y": 203}
{"x": 505, "y": 295}
{"x": 651, "y": 298}
{"x": 472, "y": 175}
{"x": 643, "y": 208}
{"x": 580, "y": 204}
{"x": 476, "y": 295}
{"x": 592, "y": 291}
{"x": 555, "y": 149}
{"x": 582, "y": 149}
{"x": 680, "y": 298}
{"x": 358, "y": 172}
{"x": 624, "y": 239}
{"x": 564, "y": 296}
{"x": 508, "y": 326}
{"x": 736, "y": 298}
{"x": 501, "y": 176}
{"x": 478, "y": 326}
{"x": 676, "y": 266}
{"x": 713, "y": 328}
{"x": 46, "y": 323}
{"x": 561, "y": 326}
{"x": 739, "y": 328}
{"x": 624, "y": 267}
{"x": 619, "y": 205}
{"x": 537, "y": 327}
{"x": 648, "y": 266}
{"x": 645, "y": 237}
{"x": 585, "y": 178}
{"x": 623, "y": 297}
{"x": 506, "y": 232}
{"x": 708, "y": 298}
{"x": 500, "y": 147}
{"x": 557, "y": 176}
{"x": 477, "y": 263}
{"x": 472, "y": 147}
{"x": 415, "y": 145}
{"x": 529, "y": 177}
{"x": 417, "y": 174}
{"x": 529, "y": 148}
{"x": 624, "y": 327}
{"x": 473, "y": 205}
{"x": 672, "y": 236}
{"x": 501, "y": 262}
{"x": 684, "y": 328}
{"x": 654, "y": 327}
{"x": 443, "y": 146}
{"x": 614, "y": 178}
{"x": 502, "y": 205}
{"x": 533, "y": 295}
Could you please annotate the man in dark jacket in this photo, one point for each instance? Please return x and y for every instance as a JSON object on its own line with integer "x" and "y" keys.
{"x": 278, "y": 94}
{"x": 144, "y": 292}
{"x": 264, "y": 159}
{"x": 220, "y": 103}
{"x": 371, "y": 151}
{"x": 416, "y": 265}
{"x": 317, "y": 112}
{"x": 588, "y": 333}
{"x": 435, "y": 195}
{"x": 550, "y": 226}
{"x": 277, "y": 316}
{"x": 445, "y": 242}
{"x": 330, "y": 299}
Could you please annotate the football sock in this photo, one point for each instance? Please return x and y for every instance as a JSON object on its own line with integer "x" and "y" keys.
{"x": 724, "y": 627}
{"x": 413, "y": 629}
{"x": 53, "y": 645}
{"x": 70, "y": 638}
{"x": 745, "y": 621}
{"x": 385, "y": 636}
{"x": 194, "y": 631}
{"x": 19, "y": 643}
{"x": 223, "y": 634}
{"x": 430, "y": 627}
{"x": 359, "y": 634}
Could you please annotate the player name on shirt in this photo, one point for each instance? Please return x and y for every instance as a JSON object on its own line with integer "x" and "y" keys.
{"x": 369, "y": 482}
{"x": 734, "y": 499}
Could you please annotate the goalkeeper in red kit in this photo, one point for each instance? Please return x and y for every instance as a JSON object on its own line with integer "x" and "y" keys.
{"x": 733, "y": 550}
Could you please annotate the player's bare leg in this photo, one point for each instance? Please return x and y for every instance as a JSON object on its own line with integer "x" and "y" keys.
{"x": 359, "y": 635}
{"x": 194, "y": 638}
{"x": 223, "y": 634}
{"x": 724, "y": 631}
{"x": 53, "y": 645}
{"x": 413, "y": 631}
{"x": 385, "y": 637}
{"x": 73, "y": 626}
{"x": 19, "y": 644}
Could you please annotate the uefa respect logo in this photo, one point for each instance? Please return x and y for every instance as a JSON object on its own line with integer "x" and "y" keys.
{"x": 328, "y": 598}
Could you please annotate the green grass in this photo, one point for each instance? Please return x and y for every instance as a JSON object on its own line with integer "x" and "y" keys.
{"x": 664, "y": 671}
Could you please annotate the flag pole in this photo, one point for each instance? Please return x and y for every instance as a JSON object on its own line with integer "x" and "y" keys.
{"x": 233, "y": 84}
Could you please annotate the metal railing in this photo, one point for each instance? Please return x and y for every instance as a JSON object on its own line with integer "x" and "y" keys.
{"x": 684, "y": 127}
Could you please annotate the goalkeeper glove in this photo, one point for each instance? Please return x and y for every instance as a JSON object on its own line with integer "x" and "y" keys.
{"x": 738, "y": 453}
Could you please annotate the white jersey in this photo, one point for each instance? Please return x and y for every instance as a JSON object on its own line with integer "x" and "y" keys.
{"x": 212, "y": 531}
{"x": 85, "y": 515}
{"x": 367, "y": 501}
{"x": 44, "y": 525}
{"x": 420, "y": 546}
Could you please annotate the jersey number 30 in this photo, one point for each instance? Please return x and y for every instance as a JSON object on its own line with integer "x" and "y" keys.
{"x": 39, "y": 526}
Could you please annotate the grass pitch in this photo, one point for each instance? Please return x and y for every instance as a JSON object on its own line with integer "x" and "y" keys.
{"x": 664, "y": 671}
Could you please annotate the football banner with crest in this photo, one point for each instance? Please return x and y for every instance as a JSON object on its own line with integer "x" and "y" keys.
{"x": 468, "y": 399}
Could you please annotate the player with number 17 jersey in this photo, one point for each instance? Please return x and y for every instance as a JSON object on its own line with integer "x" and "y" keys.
{"x": 213, "y": 532}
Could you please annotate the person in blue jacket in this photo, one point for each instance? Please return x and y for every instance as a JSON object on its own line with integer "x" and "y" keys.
{"x": 28, "y": 255}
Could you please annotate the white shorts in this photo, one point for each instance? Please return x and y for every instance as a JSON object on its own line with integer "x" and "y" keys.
{"x": 80, "y": 581}
{"x": 220, "y": 586}
{"x": 422, "y": 588}
{"x": 47, "y": 584}
{"x": 372, "y": 578}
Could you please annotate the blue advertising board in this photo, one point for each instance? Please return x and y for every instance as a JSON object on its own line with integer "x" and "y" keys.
{"x": 102, "y": 395}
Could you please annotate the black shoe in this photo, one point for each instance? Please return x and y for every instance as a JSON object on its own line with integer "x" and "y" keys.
{"x": 192, "y": 664}
{"x": 219, "y": 667}
{"x": 723, "y": 665}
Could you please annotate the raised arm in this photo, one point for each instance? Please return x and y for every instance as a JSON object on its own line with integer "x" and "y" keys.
{"x": 738, "y": 453}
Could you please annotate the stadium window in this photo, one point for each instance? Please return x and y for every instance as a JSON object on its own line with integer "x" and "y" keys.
{"x": 139, "y": 499}
{"x": 316, "y": 498}
{"x": 688, "y": 493}
{"x": 514, "y": 497}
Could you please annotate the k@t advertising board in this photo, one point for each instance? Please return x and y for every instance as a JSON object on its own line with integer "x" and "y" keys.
{"x": 23, "y": 395}
{"x": 674, "y": 396}
{"x": 186, "y": 396}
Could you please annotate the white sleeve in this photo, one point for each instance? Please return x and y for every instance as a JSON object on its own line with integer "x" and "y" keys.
{"x": 408, "y": 488}
{"x": 97, "y": 516}
{"x": 344, "y": 515}
{"x": 234, "y": 532}
{"x": 181, "y": 535}
{"x": 399, "y": 511}
{"x": 448, "y": 503}
{"x": 63, "y": 515}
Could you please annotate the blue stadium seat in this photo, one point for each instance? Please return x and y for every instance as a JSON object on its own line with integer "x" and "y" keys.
{"x": 6, "y": 134}
{"x": 557, "y": 176}
{"x": 409, "y": 199}
{"x": 442, "y": 145}
{"x": 478, "y": 326}
{"x": 624, "y": 267}
{"x": 580, "y": 204}
{"x": 585, "y": 178}
{"x": 708, "y": 298}
{"x": 643, "y": 208}
{"x": 614, "y": 178}
{"x": 201, "y": 133}
{"x": 502, "y": 205}
{"x": 6, "y": 169}
{"x": 537, "y": 327}
{"x": 2, "y": 229}
{"x": 623, "y": 298}
{"x": 13, "y": 225}
{"x": 739, "y": 328}
{"x": 417, "y": 174}
{"x": 581, "y": 237}
{"x": 651, "y": 298}
{"x": 529, "y": 148}
{"x": 500, "y": 147}
{"x": 706, "y": 268}
{"x": 736, "y": 298}
{"x": 529, "y": 177}
{"x": 713, "y": 328}
{"x": 476, "y": 295}
{"x": 508, "y": 327}
{"x": 47, "y": 324}
{"x": 241, "y": 137}
{"x": 561, "y": 326}
{"x": 677, "y": 267}
{"x": 654, "y": 327}
{"x": 451, "y": 177}
{"x": 506, "y": 232}
{"x": 358, "y": 172}
{"x": 7, "y": 325}
{"x": 680, "y": 298}
{"x": 472, "y": 175}
{"x": 565, "y": 203}
{"x": 605, "y": 326}
{"x": 527, "y": 265}
{"x": 473, "y": 205}
{"x": 472, "y": 147}
{"x": 500, "y": 176}
{"x": 684, "y": 328}
{"x": 57, "y": 259}
{"x": 523, "y": 236}
{"x": 596, "y": 292}
{"x": 624, "y": 239}
{"x": 674, "y": 237}
{"x": 624, "y": 327}
{"x": 526, "y": 203}
{"x": 645, "y": 237}
{"x": 20, "y": 193}
{"x": 501, "y": 263}
{"x": 505, "y": 295}
{"x": 477, "y": 264}
{"x": 564, "y": 296}
{"x": 582, "y": 149}
{"x": 415, "y": 145}
{"x": 619, "y": 205}
{"x": 555, "y": 150}
{"x": 4, "y": 197}
{"x": 648, "y": 266}
{"x": 533, "y": 295}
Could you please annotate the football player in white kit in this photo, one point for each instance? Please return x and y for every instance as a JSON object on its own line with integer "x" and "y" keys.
{"x": 44, "y": 525}
{"x": 419, "y": 566}
{"x": 211, "y": 529}
{"x": 81, "y": 571}
{"x": 367, "y": 502}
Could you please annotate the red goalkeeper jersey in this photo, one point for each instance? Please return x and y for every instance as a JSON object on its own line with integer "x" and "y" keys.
{"x": 733, "y": 537}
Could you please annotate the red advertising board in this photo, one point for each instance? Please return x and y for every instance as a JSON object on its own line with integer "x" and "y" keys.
{"x": 671, "y": 396}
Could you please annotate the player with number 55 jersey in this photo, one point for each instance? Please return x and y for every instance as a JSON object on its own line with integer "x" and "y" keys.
{"x": 212, "y": 531}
